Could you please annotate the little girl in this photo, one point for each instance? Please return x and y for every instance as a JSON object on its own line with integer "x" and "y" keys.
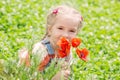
{"x": 63, "y": 21}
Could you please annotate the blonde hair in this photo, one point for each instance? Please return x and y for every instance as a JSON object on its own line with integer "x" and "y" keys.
{"x": 61, "y": 10}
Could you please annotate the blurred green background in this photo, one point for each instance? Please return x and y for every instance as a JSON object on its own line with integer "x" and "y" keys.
{"x": 22, "y": 23}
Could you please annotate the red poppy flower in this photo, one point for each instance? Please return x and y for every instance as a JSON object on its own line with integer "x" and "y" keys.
{"x": 63, "y": 43}
{"x": 64, "y": 46}
{"x": 75, "y": 42}
{"x": 82, "y": 53}
{"x": 61, "y": 54}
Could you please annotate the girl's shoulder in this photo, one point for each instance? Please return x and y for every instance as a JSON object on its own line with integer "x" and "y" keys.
{"x": 39, "y": 48}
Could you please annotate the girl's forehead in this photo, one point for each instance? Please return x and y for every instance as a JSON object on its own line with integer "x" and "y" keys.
{"x": 67, "y": 20}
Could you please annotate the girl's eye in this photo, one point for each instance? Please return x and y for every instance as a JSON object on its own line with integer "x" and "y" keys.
{"x": 60, "y": 28}
{"x": 72, "y": 31}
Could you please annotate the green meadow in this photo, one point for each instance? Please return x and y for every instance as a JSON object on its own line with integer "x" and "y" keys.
{"x": 23, "y": 22}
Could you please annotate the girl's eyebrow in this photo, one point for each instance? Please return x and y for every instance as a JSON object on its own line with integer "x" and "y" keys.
{"x": 74, "y": 28}
{"x": 70, "y": 28}
{"x": 61, "y": 26}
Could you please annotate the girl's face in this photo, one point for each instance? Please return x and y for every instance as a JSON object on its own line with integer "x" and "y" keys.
{"x": 65, "y": 26}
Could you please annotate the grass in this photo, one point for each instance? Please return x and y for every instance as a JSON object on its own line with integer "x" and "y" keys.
{"x": 22, "y": 23}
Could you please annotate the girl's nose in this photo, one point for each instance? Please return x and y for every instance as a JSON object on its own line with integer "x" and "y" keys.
{"x": 66, "y": 35}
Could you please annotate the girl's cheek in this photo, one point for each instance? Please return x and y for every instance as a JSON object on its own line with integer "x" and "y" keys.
{"x": 72, "y": 36}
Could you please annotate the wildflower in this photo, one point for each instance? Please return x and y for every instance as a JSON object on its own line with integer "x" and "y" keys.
{"x": 64, "y": 45}
{"x": 82, "y": 53}
{"x": 75, "y": 42}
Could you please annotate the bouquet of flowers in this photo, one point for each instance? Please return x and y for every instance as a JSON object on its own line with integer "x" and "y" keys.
{"x": 66, "y": 45}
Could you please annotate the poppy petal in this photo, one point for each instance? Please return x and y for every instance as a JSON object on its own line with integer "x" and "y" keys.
{"x": 64, "y": 45}
{"x": 76, "y": 42}
{"x": 82, "y": 53}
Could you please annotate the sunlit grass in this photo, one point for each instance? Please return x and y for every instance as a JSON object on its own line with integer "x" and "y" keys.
{"x": 22, "y": 23}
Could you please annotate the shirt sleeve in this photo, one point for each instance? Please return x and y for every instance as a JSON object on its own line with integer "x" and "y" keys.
{"x": 39, "y": 50}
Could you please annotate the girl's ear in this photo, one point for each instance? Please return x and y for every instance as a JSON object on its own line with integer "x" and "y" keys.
{"x": 49, "y": 30}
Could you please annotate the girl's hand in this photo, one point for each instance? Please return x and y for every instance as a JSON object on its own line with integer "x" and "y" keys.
{"x": 66, "y": 74}
{"x": 24, "y": 57}
{"x": 23, "y": 53}
{"x": 62, "y": 75}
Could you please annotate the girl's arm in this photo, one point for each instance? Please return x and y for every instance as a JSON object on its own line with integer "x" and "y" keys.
{"x": 38, "y": 49}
